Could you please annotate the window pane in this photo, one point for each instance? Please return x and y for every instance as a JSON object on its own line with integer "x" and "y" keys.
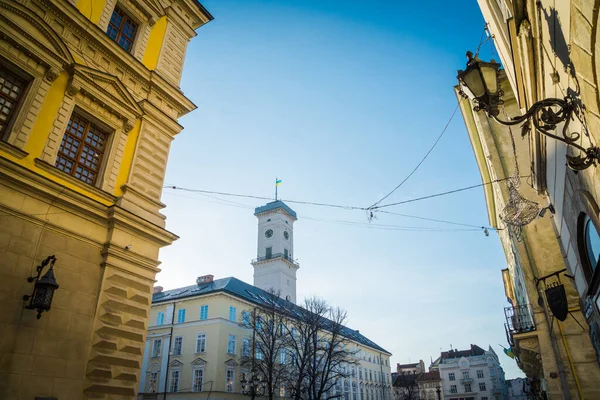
{"x": 11, "y": 90}
{"x": 122, "y": 29}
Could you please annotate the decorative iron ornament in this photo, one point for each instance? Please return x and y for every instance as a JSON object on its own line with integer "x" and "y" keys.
{"x": 545, "y": 120}
{"x": 518, "y": 211}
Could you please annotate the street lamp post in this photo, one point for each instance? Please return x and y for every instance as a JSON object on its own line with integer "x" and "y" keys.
{"x": 254, "y": 386}
{"x": 439, "y": 392}
{"x": 479, "y": 82}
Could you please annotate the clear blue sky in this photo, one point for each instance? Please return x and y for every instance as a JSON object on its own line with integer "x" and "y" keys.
{"x": 340, "y": 100}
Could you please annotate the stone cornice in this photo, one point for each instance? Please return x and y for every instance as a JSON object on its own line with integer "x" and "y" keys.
{"x": 124, "y": 219}
{"x": 154, "y": 114}
{"x": 13, "y": 150}
{"x": 100, "y": 42}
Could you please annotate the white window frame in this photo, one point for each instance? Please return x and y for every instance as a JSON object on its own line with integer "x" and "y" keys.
{"x": 171, "y": 378}
{"x": 180, "y": 347}
{"x": 156, "y": 353}
{"x": 160, "y": 318}
{"x": 482, "y": 387}
{"x": 468, "y": 388}
{"x": 203, "y": 308}
{"x": 230, "y": 384}
{"x": 232, "y": 313}
{"x": 198, "y": 349}
{"x": 246, "y": 318}
{"x": 453, "y": 389}
{"x": 181, "y": 316}
{"x": 451, "y": 376}
{"x": 231, "y": 339}
{"x": 195, "y": 387}
{"x": 480, "y": 373}
{"x": 153, "y": 377}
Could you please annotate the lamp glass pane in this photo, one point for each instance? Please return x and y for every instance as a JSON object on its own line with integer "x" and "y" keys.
{"x": 490, "y": 75}
{"x": 473, "y": 80}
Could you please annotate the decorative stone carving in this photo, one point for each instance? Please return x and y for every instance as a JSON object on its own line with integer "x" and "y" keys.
{"x": 127, "y": 126}
{"x": 72, "y": 89}
{"x": 51, "y": 74}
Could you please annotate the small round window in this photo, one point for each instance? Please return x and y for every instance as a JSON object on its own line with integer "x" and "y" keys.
{"x": 592, "y": 243}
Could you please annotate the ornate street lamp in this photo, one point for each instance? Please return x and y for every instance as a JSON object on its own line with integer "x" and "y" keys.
{"x": 43, "y": 289}
{"x": 479, "y": 82}
{"x": 254, "y": 387}
{"x": 439, "y": 392}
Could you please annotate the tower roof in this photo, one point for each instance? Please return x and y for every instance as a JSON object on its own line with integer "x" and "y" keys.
{"x": 274, "y": 205}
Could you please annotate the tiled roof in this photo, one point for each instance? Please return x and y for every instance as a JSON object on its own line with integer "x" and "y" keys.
{"x": 249, "y": 293}
{"x": 473, "y": 351}
{"x": 274, "y": 205}
{"x": 430, "y": 376}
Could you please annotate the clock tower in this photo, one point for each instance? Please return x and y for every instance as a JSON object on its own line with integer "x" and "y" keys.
{"x": 274, "y": 266}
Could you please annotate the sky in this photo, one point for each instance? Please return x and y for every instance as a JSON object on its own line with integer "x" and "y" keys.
{"x": 340, "y": 100}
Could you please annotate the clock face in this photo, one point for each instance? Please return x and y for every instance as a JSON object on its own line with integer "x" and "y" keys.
{"x": 269, "y": 233}
{"x": 286, "y": 235}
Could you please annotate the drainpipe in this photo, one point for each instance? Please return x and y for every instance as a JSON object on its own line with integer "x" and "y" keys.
{"x": 169, "y": 353}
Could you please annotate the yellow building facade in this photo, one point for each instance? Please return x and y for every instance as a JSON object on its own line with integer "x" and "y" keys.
{"x": 89, "y": 101}
{"x": 196, "y": 342}
{"x": 547, "y": 50}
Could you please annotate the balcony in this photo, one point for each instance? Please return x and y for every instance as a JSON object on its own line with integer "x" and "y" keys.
{"x": 466, "y": 380}
{"x": 275, "y": 256}
{"x": 519, "y": 320}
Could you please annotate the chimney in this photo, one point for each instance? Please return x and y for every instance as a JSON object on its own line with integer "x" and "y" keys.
{"x": 204, "y": 279}
{"x": 157, "y": 289}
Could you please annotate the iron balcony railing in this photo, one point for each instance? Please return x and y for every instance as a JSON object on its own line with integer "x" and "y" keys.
{"x": 276, "y": 255}
{"x": 519, "y": 319}
{"x": 466, "y": 380}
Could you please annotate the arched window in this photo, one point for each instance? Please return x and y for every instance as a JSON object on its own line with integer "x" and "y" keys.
{"x": 589, "y": 245}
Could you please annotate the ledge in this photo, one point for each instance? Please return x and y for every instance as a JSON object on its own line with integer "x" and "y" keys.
{"x": 74, "y": 181}
{"x": 13, "y": 150}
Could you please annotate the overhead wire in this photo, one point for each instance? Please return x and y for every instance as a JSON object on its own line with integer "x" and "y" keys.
{"x": 437, "y": 220}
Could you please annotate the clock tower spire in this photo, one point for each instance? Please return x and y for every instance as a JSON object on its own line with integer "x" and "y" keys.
{"x": 274, "y": 266}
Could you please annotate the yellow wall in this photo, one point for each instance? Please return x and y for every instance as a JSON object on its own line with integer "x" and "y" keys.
{"x": 39, "y": 135}
{"x": 155, "y": 41}
{"x": 92, "y": 9}
{"x": 127, "y": 159}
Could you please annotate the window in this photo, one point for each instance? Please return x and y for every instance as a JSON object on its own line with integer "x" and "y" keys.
{"x": 232, "y": 314}
{"x": 245, "y": 347}
{"x": 259, "y": 353}
{"x": 12, "y": 89}
{"x": 482, "y": 386}
{"x": 160, "y": 318}
{"x": 453, "y": 389}
{"x": 181, "y": 316}
{"x": 465, "y": 374}
{"x": 360, "y": 374}
{"x": 201, "y": 343}
{"x": 467, "y": 387}
{"x": 230, "y": 380}
{"x": 197, "y": 380}
{"x": 268, "y": 252}
{"x": 286, "y": 254}
{"x": 81, "y": 149}
{"x": 346, "y": 390}
{"x": 589, "y": 245}
{"x": 203, "y": 312}
{"x": 480, "y": 373}
{"x": 246, "y": 318}
{"x": 370, "y": 375}
{"x": 152, "y": 382}
{"x": 231, "y": 344}
{"x": 156, "y": 344}
{"x": 484, "y": 398}
{"x": 282, "y": 353}
{"x": 122, "y": 29}
{"x": 177, "y": 346}
{"x": 293, "y": 333}
{"x": 174, "y": 382}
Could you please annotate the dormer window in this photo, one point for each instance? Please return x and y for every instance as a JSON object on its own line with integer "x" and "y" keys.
{"x": 122, "y": 29}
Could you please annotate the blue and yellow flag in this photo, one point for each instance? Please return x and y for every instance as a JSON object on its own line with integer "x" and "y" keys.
{"x": 277, "y": 182}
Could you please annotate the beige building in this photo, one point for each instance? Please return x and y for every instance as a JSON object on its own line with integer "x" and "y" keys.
{"x": 197, "y": 341}
{"x": 548, "y": 50}
{"x": 89, "y": 101}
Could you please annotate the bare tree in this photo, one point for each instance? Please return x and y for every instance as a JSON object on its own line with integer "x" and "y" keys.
{"x": 267, "y": 354}
{"x": 321, "y": 355}
{"x": 406, "y": 386}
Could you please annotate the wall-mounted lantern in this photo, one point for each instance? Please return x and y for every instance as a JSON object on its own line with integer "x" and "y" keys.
{"x": 43, "y": 289}
{"x": 479, "y": 82}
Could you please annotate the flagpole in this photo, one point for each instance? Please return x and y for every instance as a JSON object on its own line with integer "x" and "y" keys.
{"x": 275, "y": 188}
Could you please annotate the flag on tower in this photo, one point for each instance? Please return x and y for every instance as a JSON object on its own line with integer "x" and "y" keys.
{"x": 277, "y": 182}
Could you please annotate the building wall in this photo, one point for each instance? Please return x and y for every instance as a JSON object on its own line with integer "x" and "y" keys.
{"x": 493, "y": 377}
{"x": 106, "y": 236}
{"x": 215, "y": 361}
{"x": 550, "y": 51}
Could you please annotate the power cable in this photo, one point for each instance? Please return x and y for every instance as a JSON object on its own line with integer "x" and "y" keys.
{"x": 437, "y": 220}
{"x": 442, "y": 193}
{"x": 420, "y": 162}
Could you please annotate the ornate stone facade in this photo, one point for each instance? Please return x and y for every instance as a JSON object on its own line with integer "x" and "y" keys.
{"x": 105, "y": 230}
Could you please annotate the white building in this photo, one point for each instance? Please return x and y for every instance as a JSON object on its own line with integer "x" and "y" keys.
{"x": 473, "y": 374}
{"x": 516, "y": 388}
